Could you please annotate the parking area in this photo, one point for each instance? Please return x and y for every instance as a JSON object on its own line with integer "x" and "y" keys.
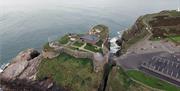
{"x": 164, "y": 65}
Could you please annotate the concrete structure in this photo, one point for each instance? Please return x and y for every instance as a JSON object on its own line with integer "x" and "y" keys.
{"x": 92, "y": 39}
{"x": 166, "y": 66}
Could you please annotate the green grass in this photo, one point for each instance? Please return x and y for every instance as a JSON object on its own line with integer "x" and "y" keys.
{"x": 92, "y": 48}
{"x": 155, "y": 39}
{"x": 73, "y": 48}
{"x": 152, "y": 81}
{"x": 64, "y": 39}
{"x": 175, "y": 38}
{"x": 79, "y": 44}
{"x": 47, "y": 47}
{"x": 99, "y": 43}
{"x": 119, "y": 81}
{"x": 70, "y": 72}
{"x": 174, "y": 13}
{"x": 104, "y": 31}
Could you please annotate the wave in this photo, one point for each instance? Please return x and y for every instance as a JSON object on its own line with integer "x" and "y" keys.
{"x": 3, "y": 67}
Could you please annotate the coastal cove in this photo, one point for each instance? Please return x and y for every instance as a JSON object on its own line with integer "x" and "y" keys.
{"x": 84, "y": 62}
{"x": 29, "y": 25}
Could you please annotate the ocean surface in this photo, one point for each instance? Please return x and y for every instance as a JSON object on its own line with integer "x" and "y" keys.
{"x": 29, "y": 23}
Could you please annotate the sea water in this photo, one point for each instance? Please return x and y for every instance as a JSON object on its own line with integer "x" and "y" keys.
{"x": 29, "y": 23}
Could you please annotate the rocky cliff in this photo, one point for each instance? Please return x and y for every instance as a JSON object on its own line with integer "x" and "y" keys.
{"x": 164, "y": 24}
{"x": 21, "y": 73}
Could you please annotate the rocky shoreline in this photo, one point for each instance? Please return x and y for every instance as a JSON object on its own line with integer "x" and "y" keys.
{"x": 20, "y": 74}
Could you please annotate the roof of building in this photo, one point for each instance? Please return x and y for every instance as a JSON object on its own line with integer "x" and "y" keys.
{"x": 91, "y": 38}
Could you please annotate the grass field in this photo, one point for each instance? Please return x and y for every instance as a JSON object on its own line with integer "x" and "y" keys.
{"x": 70, "y": 72}
{"x": 175, "y": 38}
{"x": 64, "y": 39}
{"x": 79, "y": 44}
{"x": 47, "y": 47}
{"x": 99, "y": 43}
{"x": 119, "y": 81}
{"x": 151, "y": 81}
{"x": 174, "y": 13}
{"x": 92, "y": 48}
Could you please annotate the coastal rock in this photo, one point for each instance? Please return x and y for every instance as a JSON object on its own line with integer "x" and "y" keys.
{"x": 30, "y": 72}
{"x": 23, "y": 66}
{"x": 26, "y": 55}
{"x": 14, "y": 70}
{"x": 119, "y": 42}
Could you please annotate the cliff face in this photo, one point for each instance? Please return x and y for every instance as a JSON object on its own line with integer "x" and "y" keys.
{"x": 21, "y": 74}
{"x": 134, "y": 30}
{"x": 22, "y": 69}
{"x": 23, "y": 66}
{"x": 134, "y": 34}
{"x": 165, "y": 24}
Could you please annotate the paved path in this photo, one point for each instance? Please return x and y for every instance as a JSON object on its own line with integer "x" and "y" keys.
{"x": 82, "y": 48}
{"x": 69, "y": 42}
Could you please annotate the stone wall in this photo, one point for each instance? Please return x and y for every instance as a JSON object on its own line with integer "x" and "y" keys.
{"x": 105, "y": 46}
{"x": 76, "y": 53}
{"x": 50, "y": 54}
{"x": 98, "y": 59}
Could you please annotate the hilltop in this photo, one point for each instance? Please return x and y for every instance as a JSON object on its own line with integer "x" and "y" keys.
{"x": 164, "y": 25}
{"x": 151, "y": 50}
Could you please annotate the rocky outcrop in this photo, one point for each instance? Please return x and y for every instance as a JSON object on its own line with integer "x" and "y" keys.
{"x": 30, "y": 72}
{"x": 14, "y": 70}
{"x": 23, "y": 66}
{"x": 21, "y": 74}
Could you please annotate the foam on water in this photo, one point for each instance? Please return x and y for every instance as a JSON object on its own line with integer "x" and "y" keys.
{"x": 3, "y": 67}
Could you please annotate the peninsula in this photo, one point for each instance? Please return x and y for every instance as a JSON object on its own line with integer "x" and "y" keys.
{"x": 148, "y": 60}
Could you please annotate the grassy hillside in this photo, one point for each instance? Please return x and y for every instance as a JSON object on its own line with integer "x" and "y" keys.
{"x": 120, "y": 81}
{"x": 70, "y": 72}
{"x": 163, "y": 25}
{"x": 134, "y": 34}
{"x": 152, "y": 81}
